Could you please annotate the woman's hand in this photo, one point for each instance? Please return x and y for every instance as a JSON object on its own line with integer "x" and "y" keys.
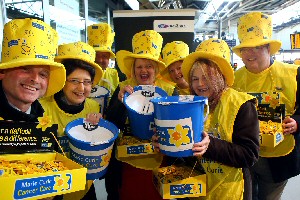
{"x": 122, "y": 91}
{"x": 289, "y": 126}
{"x": 201, "y": 147}
{"x": 93, "y": 118}
{"x": 155, "y": 142}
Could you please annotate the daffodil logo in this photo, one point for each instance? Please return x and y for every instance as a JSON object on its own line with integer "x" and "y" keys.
{"x": 148, "y": 148}
{"x": 61, "y": 183}
{"x": 105, "y": 158}
{"x": 178, "y": 135}
{"x": 272, "y": 99}
{"x": 44, "y": 122}
{"x": 195, "y": 189}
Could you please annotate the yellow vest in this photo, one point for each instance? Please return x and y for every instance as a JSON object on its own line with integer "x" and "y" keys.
{"x": 62, "y": 119}
{"x": 110, "y": 80}
{"x": 183, "y": 91}
{"x": 281, "y": 78}
{"x": 224, "y": 182}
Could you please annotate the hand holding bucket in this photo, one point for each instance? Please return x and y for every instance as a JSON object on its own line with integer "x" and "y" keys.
{"x": 179, "y": 123}
{"x": 140, "y": 109}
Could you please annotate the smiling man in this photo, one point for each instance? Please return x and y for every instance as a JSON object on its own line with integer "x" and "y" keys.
{"x": 28, "y": 70}
{"x": 263, "y": 74}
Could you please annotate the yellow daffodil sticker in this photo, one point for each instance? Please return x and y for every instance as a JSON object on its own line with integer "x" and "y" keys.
{"x": 178, "y": 135}
{"x": 148, "y": 148}
{"x": 61, "y": 183}
{"x": 105, "y": 158}
{"x": 44, "y": 122}
{"x": 195, "y": 189}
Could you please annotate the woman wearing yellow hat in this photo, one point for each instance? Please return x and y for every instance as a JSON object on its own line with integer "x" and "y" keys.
{"x": 71, "y": 102}
{"x": 173, "y": 55}
{"x": 231, "y": 132}
{"x": 141, "y": 67}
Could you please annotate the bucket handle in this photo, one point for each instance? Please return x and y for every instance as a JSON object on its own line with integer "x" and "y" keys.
{"x": 199, "y": 136}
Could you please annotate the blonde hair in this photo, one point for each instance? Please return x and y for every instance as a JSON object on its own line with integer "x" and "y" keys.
{"x": 214, "y": 77}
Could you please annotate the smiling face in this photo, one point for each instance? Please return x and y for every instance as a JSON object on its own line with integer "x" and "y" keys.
{"x": 24, "y": 85}
{"x": 102, "y": 59}
{"x": 256, "y": 59}
{"x": 176, "y": 74}
{"x": 78, "y": 86}
{"x": 200, "y": 83}
{"x": 144, "y": 71}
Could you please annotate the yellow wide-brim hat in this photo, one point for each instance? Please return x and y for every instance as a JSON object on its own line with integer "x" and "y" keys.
{"x": 145, "y": 44}
{"x": 101, "y": 38}
{"x": 81, "y": 51}
{"x": 171, "y": 53}
{"x": 255, "y": 29}
{"x": 215, "y": 50}
{"x": 29, "y": 42}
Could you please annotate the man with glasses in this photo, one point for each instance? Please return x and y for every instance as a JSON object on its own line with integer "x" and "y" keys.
{"x": 263, "y": 74}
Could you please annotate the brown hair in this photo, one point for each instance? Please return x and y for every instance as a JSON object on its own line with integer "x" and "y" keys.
{"x": 215, "y": 78}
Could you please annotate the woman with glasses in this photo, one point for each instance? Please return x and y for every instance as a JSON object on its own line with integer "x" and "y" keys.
{"x": 71, "y": 102}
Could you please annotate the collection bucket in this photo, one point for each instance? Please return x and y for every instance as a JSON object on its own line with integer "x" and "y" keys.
{"x": 91, "y": 145}
{"x": 101, "y": 95}
{"x": 179, "y": 123}
{"x": 141, "y": 110}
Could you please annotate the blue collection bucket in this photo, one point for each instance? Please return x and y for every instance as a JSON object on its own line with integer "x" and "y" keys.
{"x": 141, "y": 110}
{"x": 179, "y": 123}
{"x": 91, "y": 145}
{"x": 101, "y": 95}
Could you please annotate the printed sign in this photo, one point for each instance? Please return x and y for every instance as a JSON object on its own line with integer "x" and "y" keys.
{"x": 173, "y": 25}
{"x": 31, "y": 187}
{"x": 20, "y": 137}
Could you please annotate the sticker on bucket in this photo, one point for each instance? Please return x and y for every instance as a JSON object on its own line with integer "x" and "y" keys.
{"x": 92, "y": 149}
{"x": 101, "y": 95}
{"x": 179, "y": 123}
{"x": 141, "y": 110}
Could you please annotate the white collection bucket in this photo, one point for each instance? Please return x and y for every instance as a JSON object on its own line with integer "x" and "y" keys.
{"x": 91, "y": 145}
{"x": 179, "y": 123}
{"x": 101, "y": 95}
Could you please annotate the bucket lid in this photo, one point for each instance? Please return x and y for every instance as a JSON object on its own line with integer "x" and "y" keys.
{"x": 84, "y": 132}
{"x": 139, "y": 100}
{"x": 98, "y": 91}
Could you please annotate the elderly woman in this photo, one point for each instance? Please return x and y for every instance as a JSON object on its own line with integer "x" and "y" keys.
{"x": 231, "y": 133}
{"x": 141, "y": 67}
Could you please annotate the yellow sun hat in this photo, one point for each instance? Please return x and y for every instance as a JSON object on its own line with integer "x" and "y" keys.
{"x": 32, "y": 42}
{"x": 145, "y": 44}
{"x": 101, "y": 37}
{"x": 255, "y": 29}
{"x": 173, "y": 52}
{"x": 215, "y": 50}
{"x": 81, "y": 51}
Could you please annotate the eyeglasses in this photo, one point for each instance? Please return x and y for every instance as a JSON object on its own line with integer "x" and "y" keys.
{"x": 253, "y": 49}
{"x": 76, "y": 82}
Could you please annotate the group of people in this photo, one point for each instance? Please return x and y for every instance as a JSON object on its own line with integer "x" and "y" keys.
{"x": 35, "y": 81}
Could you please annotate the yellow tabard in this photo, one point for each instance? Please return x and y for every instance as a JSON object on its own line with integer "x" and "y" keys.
{"x": 183, "y": 91}
{"x": 224, "y": 182}
{"x": 62, "y": 119}
{"x": 281, "y": 78}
